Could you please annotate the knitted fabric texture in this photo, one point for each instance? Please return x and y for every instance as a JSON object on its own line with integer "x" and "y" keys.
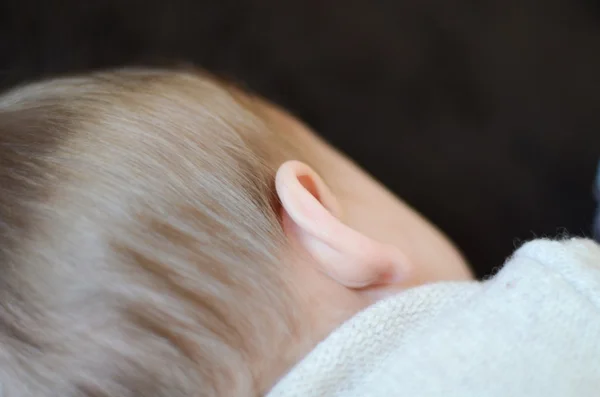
{"x": 532, "y": 330}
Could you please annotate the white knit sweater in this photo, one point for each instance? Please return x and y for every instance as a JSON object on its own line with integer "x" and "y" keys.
{"x": 532, "y": 330}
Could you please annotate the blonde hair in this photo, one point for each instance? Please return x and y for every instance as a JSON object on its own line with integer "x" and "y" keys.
{"x": 140, "y": 243}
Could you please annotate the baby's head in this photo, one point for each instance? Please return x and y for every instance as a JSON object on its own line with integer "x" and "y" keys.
{"x": 165, "y": 234}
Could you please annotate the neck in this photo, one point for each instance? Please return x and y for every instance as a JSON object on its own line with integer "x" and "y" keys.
{"x": 321, "y": 317}
{"x": 281, "y": 359}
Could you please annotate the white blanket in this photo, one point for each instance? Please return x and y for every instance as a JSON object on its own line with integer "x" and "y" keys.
{"x": 532, "y": 330}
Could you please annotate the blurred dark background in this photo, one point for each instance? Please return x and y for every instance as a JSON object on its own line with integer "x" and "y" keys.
{"x": 484, "y": 115}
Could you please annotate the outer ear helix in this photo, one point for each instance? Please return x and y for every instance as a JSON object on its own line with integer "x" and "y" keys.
{"x": 295, "y": 171}
{"x": 346, "y": 255}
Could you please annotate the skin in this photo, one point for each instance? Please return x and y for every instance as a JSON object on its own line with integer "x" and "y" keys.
{"x": 403, "y": 250}
{"x": 370, "y": 208}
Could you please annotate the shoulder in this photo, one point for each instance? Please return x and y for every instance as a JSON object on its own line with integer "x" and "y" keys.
{"x": 573, "y": 263}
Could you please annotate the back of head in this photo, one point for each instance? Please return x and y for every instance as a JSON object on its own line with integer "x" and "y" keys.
{"x": 139, "y": 238}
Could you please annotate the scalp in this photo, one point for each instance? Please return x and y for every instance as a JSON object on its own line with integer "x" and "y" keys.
{"x": 139, "y": 237}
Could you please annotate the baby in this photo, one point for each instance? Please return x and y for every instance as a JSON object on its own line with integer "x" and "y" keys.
{"x": 165, "y": 234}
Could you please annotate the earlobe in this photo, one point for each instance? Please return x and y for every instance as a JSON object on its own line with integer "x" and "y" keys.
{"x": 344, "y": 254}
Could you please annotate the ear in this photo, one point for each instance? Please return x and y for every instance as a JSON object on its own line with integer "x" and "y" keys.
{"x": 311, "y": 216}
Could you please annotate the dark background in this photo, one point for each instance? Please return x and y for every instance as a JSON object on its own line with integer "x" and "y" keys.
{"x": 485, "y": 115}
